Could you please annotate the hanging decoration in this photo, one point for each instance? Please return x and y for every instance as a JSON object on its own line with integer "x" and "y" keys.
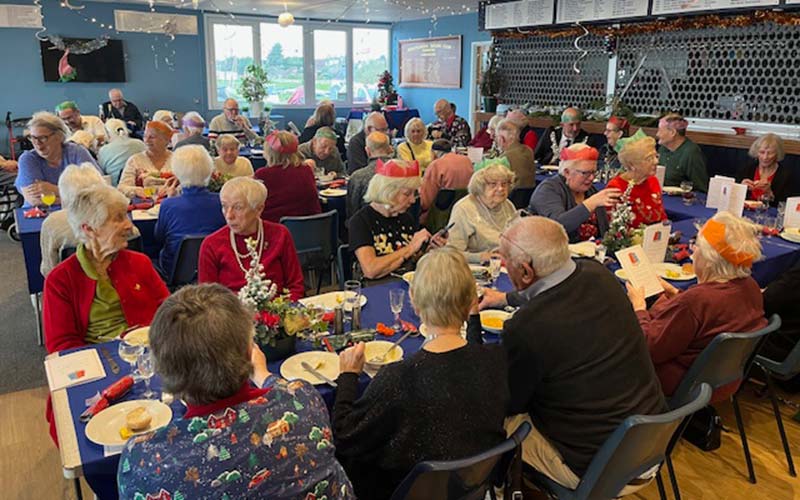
{"x": 76, "y": 47}
{"x": 584, "y": 53}
{"x": 66, "y": 4}
{"x": 66, "y": 73}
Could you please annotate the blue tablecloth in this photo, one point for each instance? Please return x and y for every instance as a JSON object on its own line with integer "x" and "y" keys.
{"x": 256, "y": 158}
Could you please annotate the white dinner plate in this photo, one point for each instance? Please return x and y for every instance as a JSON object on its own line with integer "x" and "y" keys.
{"x": 494, "y": 315}
{"x": 672, "y": 190}
{"x": 330, "y": 300}
{"x": 408, "y": 277}
{"x": 583, "y": 249}
{"x": 140, "y": 336}
{"x": 666, "y": 270}
{"x": 104, "y": 427}
{"x": 333, "y": 192}
{"x": 327, "y": 363}
{"x": 791, "y": 234}
{"x": 621, "y": 274}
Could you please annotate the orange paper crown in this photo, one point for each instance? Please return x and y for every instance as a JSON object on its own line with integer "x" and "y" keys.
{"x": 587, "y": 153}
{"x": 160, "y": 126}
{"x": 393, "y": 168}
{"x": 714, "y": 233}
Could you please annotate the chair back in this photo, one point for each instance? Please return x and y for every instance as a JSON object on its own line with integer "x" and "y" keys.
{"x": 466, "y": 479}
{"x": 439, "y": 212}
{"x": 725, "y": 360}
{"x": 316, "y": 235}
{"x": 184, "y": 267}
{"x": 782, "y": 370}
{"x": 344, "y": 265}
{"x": 521, "y": 197}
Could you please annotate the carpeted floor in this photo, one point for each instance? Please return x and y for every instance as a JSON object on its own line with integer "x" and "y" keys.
{"x": 20, "y": 358}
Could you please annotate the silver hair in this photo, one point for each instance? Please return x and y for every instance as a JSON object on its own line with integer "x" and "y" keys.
{"x": 225, "y": 140}
{"x": 252, "y": 191}
{"x": 496, "y": 172}
{"x": 196, "y": 117}
{"x": 509, "y": 128}
{"x": 115, "y": 128}
{"x": 443, "y": 288}
{"x": 159, "y": 116}
{"x": 192, "y": 165}
{"x": 93, "y": 207}
{"x": 494, "y": 122}
{"x": 770, "y": 139}
{"x": 75, "y": 178}
{"x": 741, "y": 236}
{"x": 540, "y": 241}
{"x": 370, "y": 120}
{"x": 383, "y": 189}
{"x": 411, "y": 123}
{"x": 84, "y": 138}
{"x": 51, "y": 122}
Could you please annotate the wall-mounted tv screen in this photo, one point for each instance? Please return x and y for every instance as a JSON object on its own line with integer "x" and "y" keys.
{"x": 106, "y": 64}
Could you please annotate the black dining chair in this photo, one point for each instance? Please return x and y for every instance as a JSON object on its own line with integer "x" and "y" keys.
{"x": 184, "y": 267}
{"x": 439, "y": 212}
{"x": 316, "y": 238}
{"x": 521, "y": 197}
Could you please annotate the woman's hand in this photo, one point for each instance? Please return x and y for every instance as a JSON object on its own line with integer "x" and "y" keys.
{"x": 311, "y": 163}
{"x": 139, "y": 193}
{"x": 352, "y": 359}
{"x": 749, "y": 183}
{"x": 259, "y": 361}
{"x": 669, "y": 290}
{"x": 170, "y": 188}
{"x": 487, "y": 256}
{"x": 608, "y": 198}
{"x": 438, "y": 240}
{"x": 636, "y": 296}
{"x": 419, "y": 239}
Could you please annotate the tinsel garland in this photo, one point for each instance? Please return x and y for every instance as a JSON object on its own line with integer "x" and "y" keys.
{"x": 76, "y": 47}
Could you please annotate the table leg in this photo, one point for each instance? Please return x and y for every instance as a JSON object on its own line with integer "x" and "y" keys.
{"x": 77, "y": 484}
{"x": 37, "y": 308}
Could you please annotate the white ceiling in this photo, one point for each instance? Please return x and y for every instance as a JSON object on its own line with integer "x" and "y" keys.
{"x": 384, "y": 11}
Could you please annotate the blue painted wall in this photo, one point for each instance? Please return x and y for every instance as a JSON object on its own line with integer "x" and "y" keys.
{"x": 465, "y": 25}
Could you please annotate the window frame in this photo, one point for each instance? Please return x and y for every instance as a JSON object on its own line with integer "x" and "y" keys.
{"x": 309, "y": 73}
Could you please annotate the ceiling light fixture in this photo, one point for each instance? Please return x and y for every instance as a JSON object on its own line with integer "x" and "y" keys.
{"x": 286, "y": 18}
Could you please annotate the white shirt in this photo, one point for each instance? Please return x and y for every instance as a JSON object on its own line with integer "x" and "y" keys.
{"x": 94, "y": 126}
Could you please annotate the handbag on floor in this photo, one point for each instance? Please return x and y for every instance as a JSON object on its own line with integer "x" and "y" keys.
{"x": 704, "y": 429}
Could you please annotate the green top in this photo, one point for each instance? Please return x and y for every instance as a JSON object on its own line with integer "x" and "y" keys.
{"x": 106, "y": 320}
{"x": 687, "y": 163}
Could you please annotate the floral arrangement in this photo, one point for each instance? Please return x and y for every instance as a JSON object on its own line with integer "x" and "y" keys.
{"x": 386, "y": 92}
{"x": 218, "y": 180}
{"x": 619, "y": 234}
{"x": 253, "y": 85}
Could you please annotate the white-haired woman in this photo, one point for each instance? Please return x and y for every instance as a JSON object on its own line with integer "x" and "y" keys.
{"x": 119, "y": 147}
{"x": 197, "y": 211}
{"x": 85, "y": 139}
{"x": 224, "y": 256}
{"x": 765, "y": 175}
{"x": 383, "y": 236}
{"x": 416, "y": 147}
{"x": 150, "y": 168}
{"x": 639, "y": 159}
{"x": 481, "y": 216}
{"x": 681, "y": 324}
{"x": 229, "y": 162}
{"x": 193, "y": 126}
{"x": 446, "y": 380}
{"x": 570, "y": 197}
{"x": 40, "y": 168}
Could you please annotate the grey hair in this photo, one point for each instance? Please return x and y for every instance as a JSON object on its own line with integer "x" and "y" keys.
{"x": 496, "y": 172}
{"x": 768, "y": 139}
{"x": 443, "y": 288}
{"x": 75, "y": 178}
{"x": 370, "y": 120}
{"x": 84, "y": 138}
{"x": 192, "y": 165}
{"x": 93, "y": 206}
{"x": 200, "y": 337}
{"x": 51, "y": 122}
{"x": 253, "y": 191}
{"x": 494, "y": 122}
{"x": 545, "y": 244}
{"x": 741, "y": 236}
{"x": 194, "y": 116}
{"x": 411, "y": 123}
{"x": 383, "y": 189}
{"x": 115, "y": 128}
{"x": 228, "y": 140}
{"x": 510, "y": 127}
{"x": 573, "y": 163}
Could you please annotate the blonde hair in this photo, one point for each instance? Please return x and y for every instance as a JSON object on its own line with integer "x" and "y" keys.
{"x": 494, "y": 122}
{"x": 84, "y": 138}
{"x": 253, "y": 191}
{"x": 51, "y": 122}
{"x": 378, "y": 142}
{"x": 443, "y": 289}
{"x": 770, "y": 139}
{"x": 324, "y": 115}
{"x": 636, "y": 151}
{"x": 741, "y": 236}
{"x": 416, "y": 121}
{"x": 493, "y": 173}
{"x": 225, "y": 140}
{"x": 383, "y": 189}
{"x": 115, "y": 128}
{"x": 276, "y": 158}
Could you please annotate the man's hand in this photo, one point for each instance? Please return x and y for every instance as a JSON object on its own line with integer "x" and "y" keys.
{"x": 352, "y": 359}
{"x": 492, "y": 299}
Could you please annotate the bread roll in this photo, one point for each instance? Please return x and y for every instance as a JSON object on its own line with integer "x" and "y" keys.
{"x": 138, "y": 419}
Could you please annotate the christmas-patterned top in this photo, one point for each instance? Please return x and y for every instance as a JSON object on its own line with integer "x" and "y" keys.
{"x": 645, "y": 200}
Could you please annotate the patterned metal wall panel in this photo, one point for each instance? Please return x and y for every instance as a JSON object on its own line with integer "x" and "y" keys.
{"x": 539, "y": 71}
{"x": 748, "y": 73}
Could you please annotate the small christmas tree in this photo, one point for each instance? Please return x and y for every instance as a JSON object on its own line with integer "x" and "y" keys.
{"x": 387, "y": 95}
{"x": 619, "y": 233}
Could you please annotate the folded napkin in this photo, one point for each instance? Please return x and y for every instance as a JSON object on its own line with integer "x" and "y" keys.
{"x": 337, "y": 183}
{"x": 140, "y": 206}
{"x": 34, "y": 213}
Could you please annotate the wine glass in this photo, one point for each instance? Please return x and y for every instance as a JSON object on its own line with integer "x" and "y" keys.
{"x": 686, "y": 192}
{"x": 396, "y": 298}
{"x": 495, "y": 263}
{"x": 352, "y": 295}
{"x": 129, "y": 352}
{"x": 145, "y": 366}
{"x": 149, "y": 192}
{"x": 48, "y": 199}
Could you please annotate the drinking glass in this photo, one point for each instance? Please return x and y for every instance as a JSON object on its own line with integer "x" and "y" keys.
{"x": 129, "y": 352}
{"x": 352, "y": 296}
{"x": 146, "y": 369}
{"x": 396, "y": 298}
{"x": 495, "y": 263}
{"x": 686, "y": 190}
{"x": 149, "y": 192}
{"x": 48, "y": 199}
{"x": 781, "y": 215}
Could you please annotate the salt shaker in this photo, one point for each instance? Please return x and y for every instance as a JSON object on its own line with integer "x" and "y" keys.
{"x": 356, "y": 322}
{"x": 338, "y": 321}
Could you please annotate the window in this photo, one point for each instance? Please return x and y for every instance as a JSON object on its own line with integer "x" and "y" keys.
{"x": 339, "y": 62}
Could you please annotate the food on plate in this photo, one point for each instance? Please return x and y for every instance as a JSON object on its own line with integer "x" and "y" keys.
{"x": 125, "y": 433}
{"x": 671, "y": 273}
{"x": 496, "y": 323}
{"x": 138, "y": 419}
{"x": 384, "y": 329}
{"x": 688, "y": 268}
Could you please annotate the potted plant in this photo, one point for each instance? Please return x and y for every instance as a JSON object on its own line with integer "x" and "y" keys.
{"x": 492, "y": 83}
{"x": 253, "y": 87}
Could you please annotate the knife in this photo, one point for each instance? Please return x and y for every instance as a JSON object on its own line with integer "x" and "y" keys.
{"x": 111, "y": 363}
{"x": 310, "y": 369}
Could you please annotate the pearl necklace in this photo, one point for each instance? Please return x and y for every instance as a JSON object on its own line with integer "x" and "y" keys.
{"x": 259, "y": 243}
{"x": 489, "y": 216}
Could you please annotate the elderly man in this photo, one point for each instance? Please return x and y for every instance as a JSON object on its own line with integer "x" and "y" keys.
{"x": 519, "y": 156}
{"x": 118, "y": 107}
{"x": 446, "y": 171}
{"x": 553, "y": 140}
{"x": 449, "y": 125}
{"x": 69, "y": 112}
{"x": 682, "y": 157}
{"x": 379, "y": 147}
{"x": 231, "y": 122}
{"x": 356, "y": 153}
{"x": 578, "y": 362}
{"x": 322, "y": 150}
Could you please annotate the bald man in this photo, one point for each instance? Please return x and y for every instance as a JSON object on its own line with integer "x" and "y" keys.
{"x": 449, "y": 125}
{"x": 117, "y": 107}
{"x": 231, "y": 122}
{"x": 553, "y": 140}
{"x": 356, "y": 149}
{"x": 378, "y": 147}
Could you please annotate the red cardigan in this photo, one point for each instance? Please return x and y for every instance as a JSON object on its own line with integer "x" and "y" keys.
{"x": 69, "y": 292}
{"x": 291, "y": 191}
{"x": 645, "y": 199}
{"x": 218, "y": 263}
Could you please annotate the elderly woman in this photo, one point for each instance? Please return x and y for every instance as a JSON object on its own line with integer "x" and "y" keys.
{"x": 481, "y": 216}
{"x": 150, "y": 168}
{"x": 118, "y": 149}
{"x": 195, "y": 212}
{"x": 527, "y": 136}
{"x": 165, "y": 116}
{"x": 224, "y": 257}
{"x": 383, "y": 235}
{"x": 324, "y": 116}
{"x": 519, "y": 156}
{"x": 56, "y": 232}
{"x": 103, "y": 289}
{"x": 40, "y": 168}
{"x": 416, "y": 147}
{"x": 193, "y": 126}
{"x": 322, "y": 151}
{"x": 444, "y": 381}
{"x": 290, "y": 181}
{"x": 681, "y": 324}
{"x": 639, "y": 159}
{"x": 616, "y": 129}
{"x": 765, "y": 175}
{"x": 207, "y": 322}
{"x": 85, "y": 139}
{"x": 571, "y": 199}
{"x": 229, "y": 162}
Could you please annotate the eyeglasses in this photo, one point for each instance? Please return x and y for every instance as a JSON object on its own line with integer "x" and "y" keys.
{"x": 41, "y": 139}
{"x": 500, "y": 184}
{"x": 232, "y": 109}
{"x": 585, "y": 173}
